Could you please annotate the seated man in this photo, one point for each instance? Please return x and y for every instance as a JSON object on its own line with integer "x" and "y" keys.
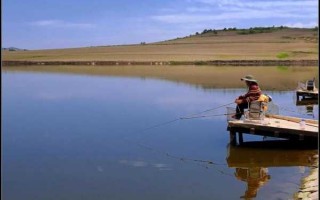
{"x": 253, "y": 94}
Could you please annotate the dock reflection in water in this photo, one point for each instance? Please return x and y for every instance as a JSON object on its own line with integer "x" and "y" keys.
{"x": 251, "y": 161}
{"x": 307, "y": 106}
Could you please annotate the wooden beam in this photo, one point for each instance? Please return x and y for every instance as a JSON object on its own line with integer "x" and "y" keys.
{"x": 293, "y": 119}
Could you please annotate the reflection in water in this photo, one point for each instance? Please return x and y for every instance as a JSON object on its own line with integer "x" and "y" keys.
{"x": 255, "y": 177}
{"x": 251, "y": 161}
{"x": 203, "y": 77}
{"x": 307, "y": 106}
{"x": 309, "y": 109}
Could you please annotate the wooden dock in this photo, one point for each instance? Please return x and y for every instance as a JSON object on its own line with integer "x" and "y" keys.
{"x": 307, "y": 94}
{"x": 307, "y": 90}
{"x": 307, "y": 101}
{"x": 274, "y": 126}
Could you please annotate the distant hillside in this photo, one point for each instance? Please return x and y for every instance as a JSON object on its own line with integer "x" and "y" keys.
{"x": 259, "y": 43}
{"x": 255, "y": 32}
{"x": 13, "y": 49}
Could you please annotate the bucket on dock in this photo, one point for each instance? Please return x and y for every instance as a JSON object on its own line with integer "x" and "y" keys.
{"x": 231, "y": 111}
{"x": 272, "y": 108}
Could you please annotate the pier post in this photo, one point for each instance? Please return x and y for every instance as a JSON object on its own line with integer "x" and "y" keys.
{"x": 240, "y": 137}
{"x": 233, "y": 138}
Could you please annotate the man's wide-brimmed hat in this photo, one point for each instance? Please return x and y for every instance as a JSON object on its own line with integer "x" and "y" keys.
{"x": 249, "y": 78}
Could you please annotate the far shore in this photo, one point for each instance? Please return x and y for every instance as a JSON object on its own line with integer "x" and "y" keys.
{"x": 208, "y": 62}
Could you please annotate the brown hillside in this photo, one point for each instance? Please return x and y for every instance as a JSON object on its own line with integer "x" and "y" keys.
{"x": 295, "y": 44}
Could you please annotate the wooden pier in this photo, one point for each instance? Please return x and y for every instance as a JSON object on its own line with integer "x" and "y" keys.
{"x": 307, "y": 102}
{"x": 274, "y": 126}
{"x": 307, "y": 94}
{"x": 307, "y": 90}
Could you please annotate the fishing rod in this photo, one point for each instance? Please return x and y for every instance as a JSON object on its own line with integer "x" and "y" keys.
{"x": 224, "y": 114}
{"x": 203, "y": 116}
{"x": 191, "y": 116}
{"x": 208, "y": 110}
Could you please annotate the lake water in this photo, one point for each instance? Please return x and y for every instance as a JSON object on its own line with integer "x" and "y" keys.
{"x": 88, "y": 137}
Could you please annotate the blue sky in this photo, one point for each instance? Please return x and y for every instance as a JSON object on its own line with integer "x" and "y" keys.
{"x": 51, "y": 24}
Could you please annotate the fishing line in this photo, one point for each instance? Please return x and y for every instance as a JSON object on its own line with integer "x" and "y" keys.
{"x": 177, "y": 157}
{"x": 162, "y": 124}
{"x": 207, "y": 164}
{"x": 204, "y": 163}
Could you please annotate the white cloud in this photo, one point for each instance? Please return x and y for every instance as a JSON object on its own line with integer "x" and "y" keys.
{"x": 60, "y": 24}
{"x": 260, "y": 4}
{"x": 231, "y": 10}
{"x": 199, "y": 9}
{"x": 302, "y": 25}
{"x": 195, "y": 18}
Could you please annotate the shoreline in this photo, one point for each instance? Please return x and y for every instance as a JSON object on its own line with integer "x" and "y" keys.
{"x": 209, "y": 63}
{"x": 309, "y": 188}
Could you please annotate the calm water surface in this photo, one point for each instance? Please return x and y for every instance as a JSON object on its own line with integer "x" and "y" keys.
{"x": 84, "y": 137}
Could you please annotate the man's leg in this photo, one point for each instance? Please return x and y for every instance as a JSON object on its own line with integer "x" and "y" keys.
{"x": 240, "y": 109}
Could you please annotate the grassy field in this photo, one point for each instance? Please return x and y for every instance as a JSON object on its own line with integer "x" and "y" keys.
{"x": 287, "y": 43}
{"x": 270, "y": 78}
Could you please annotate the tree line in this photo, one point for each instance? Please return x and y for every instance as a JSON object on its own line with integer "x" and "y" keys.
{"x": 251, "y": 30}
